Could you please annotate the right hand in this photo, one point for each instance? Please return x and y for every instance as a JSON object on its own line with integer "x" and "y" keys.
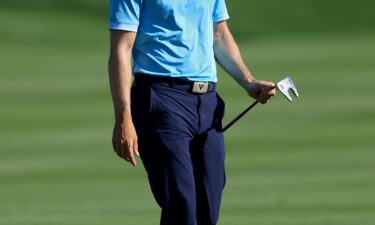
{"x": 125, "y": 141}
{"x": 261, "y": 90}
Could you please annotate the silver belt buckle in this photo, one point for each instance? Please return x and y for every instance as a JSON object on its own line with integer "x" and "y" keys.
{"x": 200, "y": 87}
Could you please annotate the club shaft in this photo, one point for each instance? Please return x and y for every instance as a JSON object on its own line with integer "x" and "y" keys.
{"x": 240, "y": 116}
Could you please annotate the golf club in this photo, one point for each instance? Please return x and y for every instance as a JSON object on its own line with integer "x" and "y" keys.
{"x": 283, "y": 86}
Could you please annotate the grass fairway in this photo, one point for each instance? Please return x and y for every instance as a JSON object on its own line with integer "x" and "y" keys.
{"x": 310, "y": 162}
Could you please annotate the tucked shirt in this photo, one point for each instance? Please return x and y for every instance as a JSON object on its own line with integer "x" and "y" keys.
{"x": 174, "y": 37}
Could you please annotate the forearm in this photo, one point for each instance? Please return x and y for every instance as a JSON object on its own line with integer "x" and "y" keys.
{"x": 120, "y": 77}
{"x": 120, "y": 72}
{"x": 228, "y": 55}
{"x": 124, "y": 139}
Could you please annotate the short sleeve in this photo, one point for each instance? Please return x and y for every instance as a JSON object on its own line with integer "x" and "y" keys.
{"x": 124, "y": 14}
{"x": 220, "y": 12}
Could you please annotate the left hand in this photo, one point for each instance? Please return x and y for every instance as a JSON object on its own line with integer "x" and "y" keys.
{"x": 125, "y": 140}
{"x": 261, "y": 90}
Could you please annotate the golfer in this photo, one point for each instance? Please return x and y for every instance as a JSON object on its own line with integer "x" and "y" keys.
{"x": 170, "y": 115}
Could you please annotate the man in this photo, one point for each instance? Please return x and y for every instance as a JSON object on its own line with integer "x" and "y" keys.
{"x": 171, "y": 115}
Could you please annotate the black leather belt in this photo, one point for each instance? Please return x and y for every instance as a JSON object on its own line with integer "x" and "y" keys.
{"x": 196, "y": 87}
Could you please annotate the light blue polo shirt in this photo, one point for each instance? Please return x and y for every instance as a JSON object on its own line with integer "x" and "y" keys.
{"x": 174, "y": 37}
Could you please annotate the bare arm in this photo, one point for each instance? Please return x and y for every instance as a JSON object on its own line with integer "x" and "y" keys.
{"x": 228, "y": 55}
{"x": 124, "y": 138}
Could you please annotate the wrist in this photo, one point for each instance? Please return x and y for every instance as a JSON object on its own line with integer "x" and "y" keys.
{"x": 248, "y": 81}
{"x": 123, "y": 115}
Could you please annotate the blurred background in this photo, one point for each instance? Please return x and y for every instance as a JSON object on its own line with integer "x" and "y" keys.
{"x": 309, "y": 162}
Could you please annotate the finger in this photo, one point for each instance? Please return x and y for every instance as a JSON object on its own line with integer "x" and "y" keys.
{"x": 136, "y": 151}
{"x": 273, "y": 92}
{"x": 271, "y": 85}
{"x": 117, "y": 149}
{"x": 116, "y": 146}
{"x": 114, "y": 138}
{"x": 263, "y": 101}
{"x": 267, "y": 84}
{"x": 267, "y": 95}
{"x": 123, "y": 151}
{"x": 264, "y": 98}
{"x": 130, "y": 153}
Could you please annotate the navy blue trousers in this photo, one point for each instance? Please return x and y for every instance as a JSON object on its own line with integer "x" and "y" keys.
{"x": 182, "y": 148}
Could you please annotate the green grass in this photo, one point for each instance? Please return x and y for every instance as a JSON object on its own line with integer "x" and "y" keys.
{"x": 310, "y": 162}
